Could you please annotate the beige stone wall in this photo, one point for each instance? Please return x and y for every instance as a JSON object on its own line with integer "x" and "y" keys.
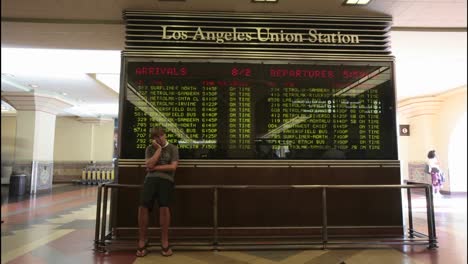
{"x": 432, "y": 120}
{"x": 8, "y": 137}
{"x": 73, "y": 140}
{"x": 8, "y": 146}
{"x": 451, "y": 111}
{"x": 76, "y": 143}
{"x": 103, "y": 145}
{"x": 79, "y": 142}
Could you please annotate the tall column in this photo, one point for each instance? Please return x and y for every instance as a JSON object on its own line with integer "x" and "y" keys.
{"x": 35, "y": 132}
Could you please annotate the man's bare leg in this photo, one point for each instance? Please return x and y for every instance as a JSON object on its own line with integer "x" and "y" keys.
{"x": 164, "y": 221}
{"x": 143, "y": 226}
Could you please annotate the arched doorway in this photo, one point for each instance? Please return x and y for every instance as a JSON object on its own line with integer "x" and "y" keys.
{"x": 457, "y": 156}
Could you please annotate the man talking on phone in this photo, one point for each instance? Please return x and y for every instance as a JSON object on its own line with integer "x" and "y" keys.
{"x": 161, "y": 163}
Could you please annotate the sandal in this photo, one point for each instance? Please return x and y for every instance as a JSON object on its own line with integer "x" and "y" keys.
{"x": 165, "y": 251}
{"x": 142, "y": 251}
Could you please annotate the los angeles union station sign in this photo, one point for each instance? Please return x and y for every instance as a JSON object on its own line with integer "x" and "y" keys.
{"x": 260, "y": 34}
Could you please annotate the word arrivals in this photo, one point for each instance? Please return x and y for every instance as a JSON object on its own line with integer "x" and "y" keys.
{"x": 259, "y": 34}
{"x": 162, "y": 71}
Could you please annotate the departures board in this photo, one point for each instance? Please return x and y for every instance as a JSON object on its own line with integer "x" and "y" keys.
{"x": 261, "y": 110}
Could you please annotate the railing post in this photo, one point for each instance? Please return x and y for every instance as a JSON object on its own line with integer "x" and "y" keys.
{"x": 103, "y": 199}
{"x": 430, "y": 219}
{"x": 98, "y": 217}
{"x": 104, "y": 219}
{"x": 410, "y": 213}
{"x": 215, "y": 218}
{"x": 432, "y": 213}
{"x": 324, "y": 218}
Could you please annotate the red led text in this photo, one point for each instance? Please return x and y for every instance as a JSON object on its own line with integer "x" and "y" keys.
{"x": 301, "y": 73}
{"x": 162, "y": 71}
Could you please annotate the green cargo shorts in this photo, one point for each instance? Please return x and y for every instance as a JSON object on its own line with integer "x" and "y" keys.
{"x": 155, "y": 188}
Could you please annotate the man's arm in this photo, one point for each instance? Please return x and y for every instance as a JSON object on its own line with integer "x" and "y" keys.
{"x": 167, "y": 167}
{"x": 151, "y": 162}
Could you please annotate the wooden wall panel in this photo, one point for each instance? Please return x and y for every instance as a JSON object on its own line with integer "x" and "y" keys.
{"x": 269, "y": 208}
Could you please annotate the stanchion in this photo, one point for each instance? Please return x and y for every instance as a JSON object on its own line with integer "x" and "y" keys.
{"x": 89, "y": 177}
{"x": 98, "y": 176}
{"x": 93, "y": 176}
{"x": 430, "y": 218}
{"x": 108, "y": 178}
{"x": 98, "y": 216}
{"x": 83, "y": 176}
{"x": 104, "y": 218}
{"x": 215, "y": 219}
{"x": 410, "y": 214}
{"x": 324, "y": 219}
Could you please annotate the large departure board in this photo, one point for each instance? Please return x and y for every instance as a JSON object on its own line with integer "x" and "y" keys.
{"x": 261, "y": 110}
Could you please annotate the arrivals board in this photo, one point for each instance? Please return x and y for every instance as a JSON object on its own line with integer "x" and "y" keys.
{"x": 261, "y": 110}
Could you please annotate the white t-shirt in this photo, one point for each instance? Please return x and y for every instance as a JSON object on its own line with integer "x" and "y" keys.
{"x": 433, "y": 163}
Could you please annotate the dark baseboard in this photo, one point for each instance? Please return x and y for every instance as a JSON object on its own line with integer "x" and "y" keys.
{"x": 177, "y": 232}
{"x": 63, "y": 181}
{"x": 412, "y": 182}
{"x": 452, "y": 193}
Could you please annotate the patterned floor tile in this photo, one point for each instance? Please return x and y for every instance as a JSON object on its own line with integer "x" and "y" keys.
{"x": 381, "y": 256}
{"x": 26, "y": 241}
{"x": 276, "y": 256}
{"x": 335, "y": 256}
{"x": 49, "y": 231}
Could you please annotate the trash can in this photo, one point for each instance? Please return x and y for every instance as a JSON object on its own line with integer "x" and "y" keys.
{"x": 17, "y": 184}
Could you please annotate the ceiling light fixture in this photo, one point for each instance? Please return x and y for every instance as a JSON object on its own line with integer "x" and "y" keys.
{"x": 356, "y": 2}
{"x": 6, "y": 107}
{"x": 16, "y": 85}
{"x": 33, "y": 85}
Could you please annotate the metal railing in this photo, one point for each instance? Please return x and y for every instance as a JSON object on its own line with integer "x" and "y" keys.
{"x": 103, "y": 238}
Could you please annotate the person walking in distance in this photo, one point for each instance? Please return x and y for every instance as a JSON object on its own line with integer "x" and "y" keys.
{"x": 435, "y": 171}
{"x": 161, "y": 163}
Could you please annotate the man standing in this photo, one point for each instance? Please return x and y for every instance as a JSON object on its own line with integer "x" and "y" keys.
{"x": 161, "y": 163}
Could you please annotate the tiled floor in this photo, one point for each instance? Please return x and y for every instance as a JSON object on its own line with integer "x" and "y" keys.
{"x": 58, "y": 227}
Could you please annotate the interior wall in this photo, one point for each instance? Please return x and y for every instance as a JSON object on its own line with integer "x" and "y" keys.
{"x": 423, "y": 138}
{"x": 8, "y": 146}
{"x": 103, "y": 137}
{"x": 458, "y": 156}
{"x": 80, "y": 141}
{"x": 72, "y": 140}
{"x": 431, "y": 127}
{"x": 8, "y": 137}
{"x": 451, "y": 111}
